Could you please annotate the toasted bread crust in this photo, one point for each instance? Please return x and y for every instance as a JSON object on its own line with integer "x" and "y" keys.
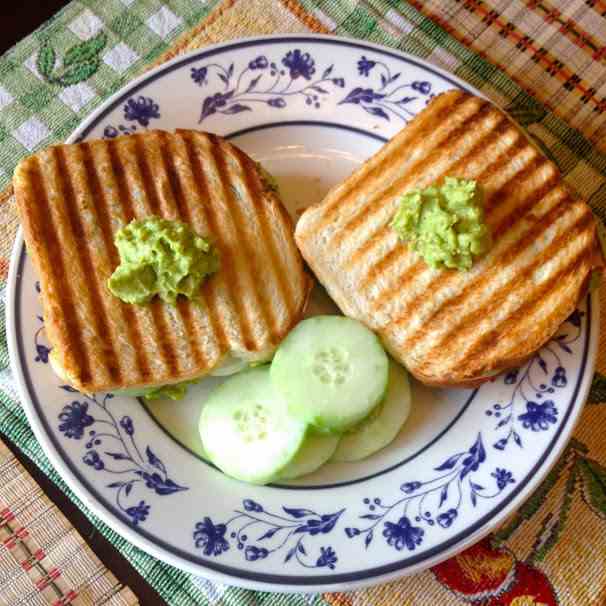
{"x": 449, "y": 327}
{"x": 74, "y": 198}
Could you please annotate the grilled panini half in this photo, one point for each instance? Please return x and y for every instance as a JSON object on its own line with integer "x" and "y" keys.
{"x": 451, "y": 327}
{"x": 74, "y": 198}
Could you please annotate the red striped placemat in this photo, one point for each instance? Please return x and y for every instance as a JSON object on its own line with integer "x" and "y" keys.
{"x": 43, "y": 559}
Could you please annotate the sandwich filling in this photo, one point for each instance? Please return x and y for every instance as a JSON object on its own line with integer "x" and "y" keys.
{"x": 444, "y": 223}
{"x": 160, "y": 257}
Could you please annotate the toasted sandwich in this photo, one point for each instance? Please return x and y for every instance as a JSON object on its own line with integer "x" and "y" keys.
{"x": 73, "y": 199}
{"x": 449, "y": 327}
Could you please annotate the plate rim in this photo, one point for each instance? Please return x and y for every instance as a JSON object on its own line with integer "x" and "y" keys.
{"x": 136, "y": 536}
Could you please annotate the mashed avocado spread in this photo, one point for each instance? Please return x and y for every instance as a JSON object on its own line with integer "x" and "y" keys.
{"x": 445, "y": 223}
{"x": 270, "y": 180}
{"x": 160, "y": 257}
{"x": 175, "y": 391}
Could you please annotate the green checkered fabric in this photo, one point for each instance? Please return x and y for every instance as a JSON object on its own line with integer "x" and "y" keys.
{"x": 54, "y": 78}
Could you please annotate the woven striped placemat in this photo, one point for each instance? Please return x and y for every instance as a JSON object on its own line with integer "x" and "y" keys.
{"x": 43, "y": 560}
{"x": 544, "y": 61}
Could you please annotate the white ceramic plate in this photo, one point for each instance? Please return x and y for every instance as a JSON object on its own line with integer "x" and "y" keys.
{"x": 310, "y": 109}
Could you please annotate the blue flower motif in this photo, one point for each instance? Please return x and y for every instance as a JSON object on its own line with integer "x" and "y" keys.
{"x": 141, "y": 110}
{"x": 327, "y": 558}
{"x": 252, "y": 553}
{"x": 503, "y": 477}
{"x": 93, "y": 459}
{"x": 409, "y": 487}
{"x": 127, "y": 424}
{"x": 250, "y": 505}
{"x": 365, "y": 65}
{"x": 340, "y": 82}
{"x": 559, "y": 378}
{"x": 211, "y": 537}
{"x": 299, "y": 64}
{"x": 403, "y": 534}
{"x": 362, "y": 95}
{"x": 75, "y": 419}
{"x": 259, "y": 63}
{"x": 214, "y": 102}
{"x": 110, "y": 132}
{"x": 277, "y": 102}
{"x": 138, "y": 513}
{"x": 422, "y": 87}
{"x": 42, "y": 351}
{"x": 539, "y": 416}
{"x": 198, "y": 75}
{"x": 447, "y": 518}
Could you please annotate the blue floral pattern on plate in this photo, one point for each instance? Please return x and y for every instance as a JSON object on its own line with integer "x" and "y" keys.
{"x": 427, "y": 502}
{"x": 284, "y": 532}
{"x": 271, "y": 83}
{"x": 540, "y": 377}
{"x": 392, "y": 97}
{"x": 139, "y": 111}
{"x": 406, "y": 511}
{"x": 111, "y": 448}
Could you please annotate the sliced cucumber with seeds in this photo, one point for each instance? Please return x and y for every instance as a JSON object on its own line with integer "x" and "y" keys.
{"x": 316, "y": 450}
{"x": 246, "y": 429}
{"x": 332, "y": 371}
{"x": 383, "y": 424}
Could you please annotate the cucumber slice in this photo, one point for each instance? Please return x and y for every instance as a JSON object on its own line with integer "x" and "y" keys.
{"x": 246, "y": 429}
{"x": 332, "y": 371}
{"x": 383, "y": 424}
{"x": 316, "y": 450}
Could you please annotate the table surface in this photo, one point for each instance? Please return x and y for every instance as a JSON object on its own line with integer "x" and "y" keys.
{"x": 17, "y": 21}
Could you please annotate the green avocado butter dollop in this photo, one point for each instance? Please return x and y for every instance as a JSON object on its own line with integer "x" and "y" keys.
{"x": 176, "y": 391}
{"x": 444, "y": 223}
{"x": 160, "y": 257}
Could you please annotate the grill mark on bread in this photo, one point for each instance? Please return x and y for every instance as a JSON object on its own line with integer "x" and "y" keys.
{"x": 76, "y": 350}
{"x": 254, "y": 192}
{"x": 147, "y": 178}
{"x": 118, "y": 173}
{"x": 150, "y": 149}
{"x": 130, "y": 319}
{"x": 508, "y": 255}
{"x": 98, "y": 316}
{"x": 180, "y": 204}
{"x": 386, "y": 198}
{"x": 208, "y": 291}
{"x": 467, "y": 321}
{"x": 519, "y": 145}
{"x": 375, "y": 172}
{"x": 576, "y": 265}
{"x": 400, "y": 250}
{"x": 156, "y": 306}
{"x": 201, "y": 185}
{"x": 251, "y": 266}
{"x": 480, "y": 345}
{"x": 522, "y": 209}
{"x": 126, "y": 200}
{"x": 375, "y": 204}
{"x": 446, "y": 277}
